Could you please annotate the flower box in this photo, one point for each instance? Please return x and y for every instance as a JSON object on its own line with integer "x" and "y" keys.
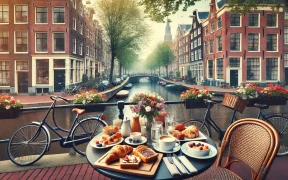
{"x": 10, "y": 113}
{"x": 270, "y": 101}
{"x": 94, "y": 107}
{"x": 195, "y": 103}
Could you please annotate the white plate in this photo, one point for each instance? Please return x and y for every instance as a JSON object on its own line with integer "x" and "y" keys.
{"x": 213, "y": 151}
{"x": 200, "y": 137}
{"x": 143, "y": 140}
{"x": 93, "y": 142}
{"x": 175, "y": 149}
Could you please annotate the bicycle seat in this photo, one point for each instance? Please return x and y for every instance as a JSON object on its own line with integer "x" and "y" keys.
{"x": 261, "y": 106}
{"x": 78, "y": 111}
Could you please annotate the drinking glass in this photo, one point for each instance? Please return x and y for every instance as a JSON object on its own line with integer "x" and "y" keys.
{"x": 158, "y": 124}
{"x": 155, "y": 134}
{"x": 117, "y": 123}
{"x": 169, "y": 124}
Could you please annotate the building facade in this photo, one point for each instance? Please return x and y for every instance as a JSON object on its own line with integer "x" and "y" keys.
{"x": 241, "y": 48}
{"x": 196, "y": 46}
{"x": 285, "y": 56}
{"x": 43, "y": 45}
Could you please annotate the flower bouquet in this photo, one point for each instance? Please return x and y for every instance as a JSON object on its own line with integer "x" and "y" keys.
{"x": 9, "y": 107}
{"x": 195, "y": 98}
{"x": 148, "y": 105}
{"x": 90, "y": 100}
{"x": 248, "y": 91}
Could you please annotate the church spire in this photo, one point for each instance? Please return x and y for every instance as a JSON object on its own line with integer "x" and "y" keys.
{"x": 168, "y": 35}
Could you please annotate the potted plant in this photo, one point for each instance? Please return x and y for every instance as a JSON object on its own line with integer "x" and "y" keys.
{"x": 195, "y": 98}
{"x": 89, "y": 100}
{"x": 148, "y": 105}
{"x": 272, "y": 95}
{"x": 9, "y": 107}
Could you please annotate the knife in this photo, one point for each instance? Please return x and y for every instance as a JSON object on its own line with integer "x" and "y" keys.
{"x": 177, "y": 158}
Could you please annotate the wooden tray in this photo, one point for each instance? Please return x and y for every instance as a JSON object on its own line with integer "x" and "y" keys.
{"x": 145, "y": 169}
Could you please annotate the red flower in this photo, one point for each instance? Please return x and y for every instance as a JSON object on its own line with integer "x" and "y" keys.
{"x": 12, "y": 101}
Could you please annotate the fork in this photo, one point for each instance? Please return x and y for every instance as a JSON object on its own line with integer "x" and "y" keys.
{"x": 170, "y": 159}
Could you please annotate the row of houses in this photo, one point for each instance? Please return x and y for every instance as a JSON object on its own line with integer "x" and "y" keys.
{"x": 222, "y": 47}
{"x": 46, "y": 46}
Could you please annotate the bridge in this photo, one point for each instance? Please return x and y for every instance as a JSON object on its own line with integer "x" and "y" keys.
{"x": 134, "y": 78}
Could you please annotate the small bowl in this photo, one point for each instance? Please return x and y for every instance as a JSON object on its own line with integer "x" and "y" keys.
{"x": 196, "y": 151}
{"x": 135, "y": 135}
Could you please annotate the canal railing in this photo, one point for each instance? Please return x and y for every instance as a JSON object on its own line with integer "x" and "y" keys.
{"x": 120, "y": 104}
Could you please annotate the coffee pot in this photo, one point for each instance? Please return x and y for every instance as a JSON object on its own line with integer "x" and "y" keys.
{"x": 126, "y": 128}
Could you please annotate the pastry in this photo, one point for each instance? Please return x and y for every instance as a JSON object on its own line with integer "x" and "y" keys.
{"x": 191, "y": 132}
{"x": 117, "y": 152}
{"x": 130, "y": 162}
{"x": 180, "y": 127}
{"x": 108, "y": 130}
{"x": 175, "y": 133}
{"x": 145, "y": 154}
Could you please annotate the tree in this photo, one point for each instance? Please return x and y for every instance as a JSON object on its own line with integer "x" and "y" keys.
{"x": 159, "y": 9}
{"x": 122, "y": 21}
{"x": 165, "y": 55}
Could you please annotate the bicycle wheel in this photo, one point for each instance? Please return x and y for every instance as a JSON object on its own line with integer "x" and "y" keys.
{"x": 280, "y": 123}
{"x": 22, "y": 152}
{"x": 84, "y": 131}
{"x": 202, "y": 127}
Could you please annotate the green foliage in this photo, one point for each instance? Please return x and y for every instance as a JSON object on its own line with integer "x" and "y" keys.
{"x": 178, "y": 74}
{"x": 189, "y": 74}
{"x": 158, "y": 10}
{"x": 84, "y": 78}
{"x": 171, "y": 73}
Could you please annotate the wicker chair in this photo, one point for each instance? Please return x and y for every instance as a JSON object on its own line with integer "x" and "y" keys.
{"x": 251, "y": 141}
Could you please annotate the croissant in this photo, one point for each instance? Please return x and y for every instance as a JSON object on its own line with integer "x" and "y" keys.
{"x": 110, "y": 129}
{"x": 191, "y": 132}
{"x": 175, "y": 133}
{"x": 117, "y": 152}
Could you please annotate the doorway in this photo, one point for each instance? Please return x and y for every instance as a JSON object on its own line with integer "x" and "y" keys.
{"x": 233, "y": 78}
{"x": 22, "y": 82}
{"x": 59, "y": 80}
{"x": 286, "y": 75}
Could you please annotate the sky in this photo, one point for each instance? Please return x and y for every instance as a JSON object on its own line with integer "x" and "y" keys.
{"x": 158, "y": 29}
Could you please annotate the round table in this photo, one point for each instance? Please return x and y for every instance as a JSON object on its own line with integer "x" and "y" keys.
{"x": 162, "y": 173}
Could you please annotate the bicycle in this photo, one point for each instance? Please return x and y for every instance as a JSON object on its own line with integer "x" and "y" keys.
{"x": 30, "y": 142}
{"x": 279, "y": 122}
{"x": 67, "y": 92}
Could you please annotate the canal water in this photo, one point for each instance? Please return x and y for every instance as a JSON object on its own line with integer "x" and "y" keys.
{"x": 64, "y": 117}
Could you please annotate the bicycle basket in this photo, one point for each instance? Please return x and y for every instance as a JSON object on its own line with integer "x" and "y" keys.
{"x": 234, "y": 102}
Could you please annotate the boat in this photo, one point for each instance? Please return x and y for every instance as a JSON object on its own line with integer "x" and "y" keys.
{"x": 175, "y": 87}
{"x": 162, "y": 83}
{"x": 128, "y": 86}
{"x": 122, "y": 94}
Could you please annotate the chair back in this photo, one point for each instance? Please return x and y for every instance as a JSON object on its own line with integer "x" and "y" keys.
{"x": 252, "y": 141}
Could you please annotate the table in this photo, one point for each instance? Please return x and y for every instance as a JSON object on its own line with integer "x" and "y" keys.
{"x": 162, "y": 173}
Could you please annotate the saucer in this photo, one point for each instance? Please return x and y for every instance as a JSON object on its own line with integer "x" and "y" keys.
{"x": 143, "y": 140}
{"x": 175, "y": 149}
{"x": 213, "y": 152}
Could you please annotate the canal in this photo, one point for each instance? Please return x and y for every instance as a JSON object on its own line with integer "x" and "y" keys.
{"x": 64, "y": 117}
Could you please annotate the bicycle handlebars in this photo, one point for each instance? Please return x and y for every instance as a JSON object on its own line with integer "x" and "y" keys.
{"x": 54, "y": 98}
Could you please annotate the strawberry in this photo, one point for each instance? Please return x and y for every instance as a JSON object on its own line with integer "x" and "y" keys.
{"x": 180, "y": 136}
{"x": 97, "y": 142}
{"x": 118, "y": 135}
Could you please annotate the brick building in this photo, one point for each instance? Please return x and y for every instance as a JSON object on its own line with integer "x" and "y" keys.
{"x": 243, "y": 47}
{"x": 286, "y": 44}
{"x": 43, "y": 45}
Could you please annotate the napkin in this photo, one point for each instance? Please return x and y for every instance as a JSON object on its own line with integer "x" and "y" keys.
{"x": 188, "y": 164}
{"x": 171, "y": 167}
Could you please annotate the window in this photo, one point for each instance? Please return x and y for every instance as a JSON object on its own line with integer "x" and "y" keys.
{"x": 196, "y": 55}
{"x": 87, "y": 31}
{"x": 4, "y": 73}
{"x": 211, "y": 46}
{"x": 235, "y": 42}
{"x": 42, "y": 71}
{"x": 59, "y": 42}
{"x": 4, "y": 14}
{"x": 87, "y": 50}
{"x": 41, "y": 15}
{"x": 21, "y": 41}
{"x": 206, "y": 30}
{"x": 219, "y": 43}
{"x": 200, "y": 53}
{"x": 195, "y": 43}
{"x": 191, "y": 35}
{"x": 286, "y": 15}
{"x": 271, "y": 20}
{"x": 253, "y": 20}
{"x": 192, "y": 55}
{"x": 199, "y": 41}
{"x": 199, "y": 30}
{"x": 81, "y": 28}
{"x": 220, "y": 68}
{"x": 81, "y": 48}
{"x": 186, "y": 48}
{"x": 195, "y": 33}
{"x": 271, "y": 68}
{"x": 206, "y": 48}
{"x": 219, "y": 23}
{"x": 4, "y": 41}
{"x": 21, "y": 13}
{"x": 59, "y": 63}
{"x": 234, "y": 62}
{"x": 253, "y": 42}
{"x": 235, "y": 20}
{"x": 71, "y": 71}
{"x": 210, "y": 69}
{"x": 286, "y": 35}
{"x": 286, "y": 59}
{"x": 212, "y": 27}
{"x": 192, "y": 45}
{"x": 74, "y": 23}
{"x": 253, "y": 69}
{"x": 22, "y": 65}
{"x": 74, "y": 45}
{"x": 194, "y": 25}
{"x": 41, "y": 42}
{"x": 271, "y": 42}
{"x": 74, "y": 4}
{"x": 59, "y": 14}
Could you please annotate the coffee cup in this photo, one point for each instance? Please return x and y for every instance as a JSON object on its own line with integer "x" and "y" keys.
{"x": 167, "y": 143}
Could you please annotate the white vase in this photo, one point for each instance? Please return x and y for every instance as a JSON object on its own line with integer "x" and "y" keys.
{"x": 126, "y": 128}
